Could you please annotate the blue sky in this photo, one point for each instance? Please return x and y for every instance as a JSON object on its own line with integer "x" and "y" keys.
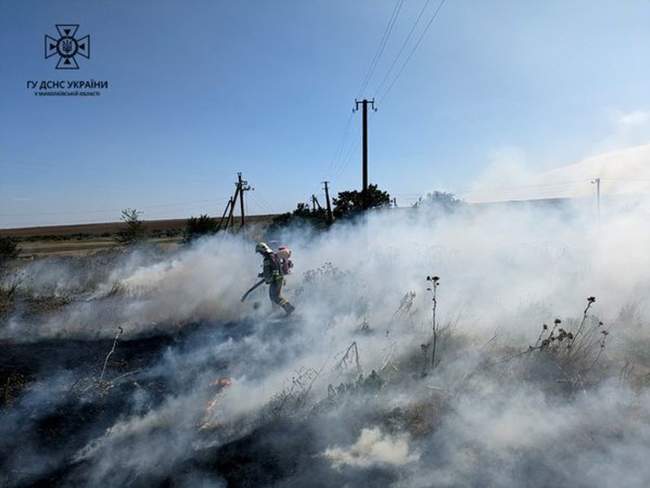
{"x": 202, "y": 89}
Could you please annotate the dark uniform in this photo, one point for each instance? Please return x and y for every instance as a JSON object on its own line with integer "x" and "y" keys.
{"x": 273, "y": 276}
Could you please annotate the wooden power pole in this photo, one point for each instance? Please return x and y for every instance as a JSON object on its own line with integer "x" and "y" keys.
{"x": 233, "y": 200}
{"x": 313, "y": 203}
{"x": 330, "y": 218}
{"x": 223, "y": 217}
{"x": 364, "y": 160}
{"x": 242, "y": 186}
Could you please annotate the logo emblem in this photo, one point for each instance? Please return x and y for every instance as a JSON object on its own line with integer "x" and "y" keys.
{"x": 67, "y": 46}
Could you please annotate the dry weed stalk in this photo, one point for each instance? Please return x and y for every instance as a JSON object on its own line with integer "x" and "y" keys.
{"x": 405, "y": 306}
{"x": 350, "y": 354}
{"x": 435, "y": 281}
{"x": 110, "y": 353}
{"x": 295, "y": 396}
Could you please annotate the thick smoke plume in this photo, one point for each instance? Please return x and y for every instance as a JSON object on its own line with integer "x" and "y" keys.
{"x": 341, "y": 393}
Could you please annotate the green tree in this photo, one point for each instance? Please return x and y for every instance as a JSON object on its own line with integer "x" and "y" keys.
{"x": 351, "y": 203}
{"x": 196, "y": 227}
{"x": 134, "y": 231}
{"x": 302, "y": 216}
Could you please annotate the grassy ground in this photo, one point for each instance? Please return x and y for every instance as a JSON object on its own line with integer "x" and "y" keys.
{"x": 84, "y": 239}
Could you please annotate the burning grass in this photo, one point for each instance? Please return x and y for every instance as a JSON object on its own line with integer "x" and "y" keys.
{"x": 374, "y": 381}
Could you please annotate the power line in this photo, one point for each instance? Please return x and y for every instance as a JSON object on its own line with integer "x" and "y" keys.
{"x": 353, "y": 147}
{"x": 337, "y": 162}
{"x": 382, "y": 46}
{"x": 345, "y": 154}
{"x": 635, "y": 180}
{"x": 258, "y": 201}
{"x": 536, "y": 186}
{"x": 339, "y": 167}
{"x": 401, "y": 49}
{"x": 544, "y": 186}
{"x": 341, "y": 146}
{"x": 417, "y": 44}
{"x": 265, "y": 202}
{"x": 81, "y": 212}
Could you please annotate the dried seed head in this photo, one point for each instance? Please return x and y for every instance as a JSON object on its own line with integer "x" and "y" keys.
{"x": 545, "y": 327}
{"x": 591, "y": 299}
{"x": 557, "y": 321}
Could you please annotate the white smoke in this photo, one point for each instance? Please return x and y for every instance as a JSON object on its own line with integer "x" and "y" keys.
{"x": 504, "y": 271}
{"x": 371, "y": 448}
{"x": 494, "y": 264}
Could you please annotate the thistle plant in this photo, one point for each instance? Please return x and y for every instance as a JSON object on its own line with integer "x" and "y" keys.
{"x": 575, "y": 351}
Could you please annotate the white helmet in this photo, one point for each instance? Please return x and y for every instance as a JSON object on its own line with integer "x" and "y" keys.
{"x": 262, "y": 247}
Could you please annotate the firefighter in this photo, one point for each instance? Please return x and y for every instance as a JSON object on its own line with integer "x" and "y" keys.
{"x": 275, "y": 267}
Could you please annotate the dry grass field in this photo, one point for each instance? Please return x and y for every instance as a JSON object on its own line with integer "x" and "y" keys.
{"x": 82, "y": 239}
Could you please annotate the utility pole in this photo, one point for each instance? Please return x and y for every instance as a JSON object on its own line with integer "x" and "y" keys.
{"x": 330, "y": 219}
{"x": 313, "y": 202}
{"x": 242, "y": 186}
{"x": 221, "y": 222}
{"x": 364, "y": 112}
{"x": 233, "y": 200}
{"x": 596, "y": 181}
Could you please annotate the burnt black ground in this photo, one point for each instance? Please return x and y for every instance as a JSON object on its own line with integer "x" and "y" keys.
{"x": 279, "y": 452}
{"x": 59, "y": 426}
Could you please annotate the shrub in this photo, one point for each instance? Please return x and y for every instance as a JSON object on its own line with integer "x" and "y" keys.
{"x": 135, "y": 231}
{"x": 302, "y": 216}
{"x": 8, "y": 250}
{"x": 196, "y": 227}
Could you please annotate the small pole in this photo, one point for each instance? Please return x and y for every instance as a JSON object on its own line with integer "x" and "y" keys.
{"x": 225, "y": 211}
{"x": 241, "y": 200}
{"x": 596, "y": 181}
{"x": 330, "y": 218}
{"x": 232, "y": 208}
